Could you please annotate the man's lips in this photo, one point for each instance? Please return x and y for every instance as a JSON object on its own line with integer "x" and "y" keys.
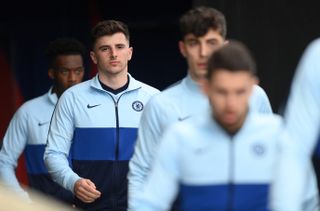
{"x": 202, "y": 66}
{"x": 114, "y": 62}
{"x": 229, "y": 116}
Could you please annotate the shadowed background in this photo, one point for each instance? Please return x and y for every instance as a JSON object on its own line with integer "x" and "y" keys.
{"x": 277, "y": 31}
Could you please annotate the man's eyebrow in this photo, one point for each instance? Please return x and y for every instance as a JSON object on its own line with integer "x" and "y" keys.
{"x": 103, "y": 46}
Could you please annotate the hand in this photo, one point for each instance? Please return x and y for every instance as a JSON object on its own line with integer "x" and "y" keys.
{"x": 86, "y": 190}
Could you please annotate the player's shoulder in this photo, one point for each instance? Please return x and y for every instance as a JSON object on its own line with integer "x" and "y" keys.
{"x": 35, "y": 103}
{"x": 267, "y": 121}
{"x": 147, "y": 88}
{"x": 171, "y": 93}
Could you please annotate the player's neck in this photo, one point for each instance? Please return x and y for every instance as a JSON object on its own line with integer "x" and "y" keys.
{"x": 114, "y": 81}
{"x": 198, "y": 79}
{"x": 56, "y": 91}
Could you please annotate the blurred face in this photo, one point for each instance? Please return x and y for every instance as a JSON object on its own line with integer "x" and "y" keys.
{"x": 229, "y": 94}
{"x": 68, "y": 71}
{"x": 197, "y": 51}
{"x": 111, "y": 54}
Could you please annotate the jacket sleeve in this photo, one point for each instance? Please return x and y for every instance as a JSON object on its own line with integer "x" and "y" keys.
{"x": 259, "y": 101}
{"x": 59, "y": 142}
{"x": 150, "y": 130}
{"x": 14, "y": 143}
{"x": 302, "y": 125}
{"x": 161, "y": 186}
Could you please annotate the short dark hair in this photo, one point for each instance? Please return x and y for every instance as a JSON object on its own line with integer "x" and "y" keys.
{"x": 233, "y": 56}
{"x": 108, "y": 27}
{"x": 64, "y": 46}
{"x": 199, "y": 20}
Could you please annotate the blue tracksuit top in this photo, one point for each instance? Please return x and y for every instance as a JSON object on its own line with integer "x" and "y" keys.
{"x": 27, "y": 132}
{"x": 302, "y": 124}
{"x": 210, "y": 169}
{"x": 177, "y": 103}
{"x": 100, "y": 129}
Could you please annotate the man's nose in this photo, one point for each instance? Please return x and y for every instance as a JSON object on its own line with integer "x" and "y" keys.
{"x": 72, "y": 76}
{"x": 113, "y": 53}
{"x": 204, "y": 50}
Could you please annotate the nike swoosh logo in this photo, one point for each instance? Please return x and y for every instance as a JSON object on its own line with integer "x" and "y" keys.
{"x": 42, "y": 123}
{"x": 92, "y": 106}
{"x": 183, "y": 118}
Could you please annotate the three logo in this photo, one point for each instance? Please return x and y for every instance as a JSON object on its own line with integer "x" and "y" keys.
{"x": 259, "y": 149}
{"x": 43, "y": 123}
{"x": 183, "y": 118}
{"x": 136, "y": 105}
{"x": 92, "y": 106}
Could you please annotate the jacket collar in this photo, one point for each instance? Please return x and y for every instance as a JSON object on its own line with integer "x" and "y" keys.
{"x": 133, "y": 84}
{"x": 53, "y": 98}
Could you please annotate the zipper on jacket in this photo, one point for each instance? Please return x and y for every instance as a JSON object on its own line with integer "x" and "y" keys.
{"x": 115, "y": 163}
{"x": 231, "y": 186}
{"x": 117, "y": 150}
{"x": 117, "y": 138}
{"x": 117, "y": 131}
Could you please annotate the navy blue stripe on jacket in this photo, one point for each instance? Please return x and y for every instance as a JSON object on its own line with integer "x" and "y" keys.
{"x": 94, "y": 157}
{"x": 38, "y": 176}
{"x": 230, "y": 197}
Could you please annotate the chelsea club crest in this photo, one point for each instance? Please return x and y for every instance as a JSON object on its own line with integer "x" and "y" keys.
{"x": 258, "y": 149}
{"x": 137, "y": 106}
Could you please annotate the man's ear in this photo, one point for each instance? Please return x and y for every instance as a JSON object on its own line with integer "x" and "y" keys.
{"x": 130, "y": 53}
{"x": 256, "y": 80}
{"x": 93, "y": 57}
{"x": 51, "y": 73}
{"x": 182, "y": 48}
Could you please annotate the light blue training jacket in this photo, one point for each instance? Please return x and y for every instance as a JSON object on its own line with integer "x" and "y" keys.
{"x": 302, "y": 123}
{"x": 27, "y": 133}
{"x": 177, "y": 103}
{"x": 210, "y": 169}
{"x": 99, "y": 129}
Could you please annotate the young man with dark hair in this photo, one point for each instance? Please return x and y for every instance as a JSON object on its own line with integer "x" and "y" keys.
{"x": 28, "y": 129}
{"x": 223, "y": 158}
{"x": 98, "y": 120}
{"x": 203, "y": 31}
